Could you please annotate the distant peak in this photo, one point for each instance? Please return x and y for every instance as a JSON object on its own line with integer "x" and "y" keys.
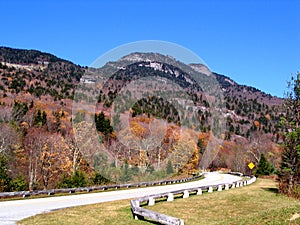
{"x": 201, "y": 68}
{"x": 149, "y": 56}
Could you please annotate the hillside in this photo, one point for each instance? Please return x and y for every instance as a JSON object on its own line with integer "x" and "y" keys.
{"x": 38, "y": 74}
{"x": 247, "y": 109}
{"x": 126, "y": 120}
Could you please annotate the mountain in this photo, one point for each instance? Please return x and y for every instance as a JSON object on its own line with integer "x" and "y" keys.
{"x": 247, "y": 109}
{"x": 139, "y": 105}
{"x": 37, "y": 73}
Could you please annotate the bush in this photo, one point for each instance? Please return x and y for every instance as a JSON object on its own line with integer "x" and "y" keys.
{"x": 297, "y": 191}
{"x": 76, "y": 180}
{"x": 99, "y": 179}
{"x": 264, "y": 167}
{"x": 19, "y": 184}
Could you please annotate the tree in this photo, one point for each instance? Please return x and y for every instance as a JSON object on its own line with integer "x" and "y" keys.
{"x": 33, "y": 143}
{"x": 103, "y": 124}
{"x": 264, "y": 167}
{"x": 76, "y": 180}
{"x": 289, "y": 174}
{"x": 170, "y": 168}
{"x": 4, "y": 177}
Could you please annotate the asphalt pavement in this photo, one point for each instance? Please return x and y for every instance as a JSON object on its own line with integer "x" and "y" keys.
{"x": 13, "y": 211}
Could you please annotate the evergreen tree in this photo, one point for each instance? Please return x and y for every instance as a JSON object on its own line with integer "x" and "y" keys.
{"x": 289, "y": 174}
{"x": 125, "y": 175}
{"x": 103, "y": 124}
{"x": 264, "y": 166}
{"x": 4, "y": 177}
{"x": 170, "y": 169}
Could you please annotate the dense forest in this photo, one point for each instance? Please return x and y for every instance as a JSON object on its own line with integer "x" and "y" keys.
{"x": 45, "y": 144}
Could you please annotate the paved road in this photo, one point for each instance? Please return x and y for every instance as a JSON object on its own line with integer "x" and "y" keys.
{"x": 13, "y": 211}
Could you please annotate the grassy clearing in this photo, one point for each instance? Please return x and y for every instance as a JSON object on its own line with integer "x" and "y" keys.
{"x": 258, "y": 204}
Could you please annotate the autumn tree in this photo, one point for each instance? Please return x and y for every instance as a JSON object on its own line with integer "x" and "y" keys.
{"x": 47, "y": 158}
{"x": 53, "y": 160}
{"x": 184, "y": 150}
{"x": 33, "y": 144}
{"x": 289, "y": 174}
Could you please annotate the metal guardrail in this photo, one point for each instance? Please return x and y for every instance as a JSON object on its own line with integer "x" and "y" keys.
{"x": 93, "y": 188}
{"x": 140, "y": 213}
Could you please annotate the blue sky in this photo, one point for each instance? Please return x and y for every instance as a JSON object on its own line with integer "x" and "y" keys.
{"x": 254, "y": 42}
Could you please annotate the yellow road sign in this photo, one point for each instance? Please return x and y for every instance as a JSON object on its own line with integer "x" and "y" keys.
{"x": 251, "y": 165}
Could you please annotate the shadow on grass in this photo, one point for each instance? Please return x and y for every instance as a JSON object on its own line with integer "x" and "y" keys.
{"x": 272, "y": 190}
{"x": 150, "y": 221}
{"x": 146, "y": 220}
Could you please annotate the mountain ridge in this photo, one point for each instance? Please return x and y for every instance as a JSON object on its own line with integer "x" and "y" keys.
{"x": 49, "y": 102}
{"x": 24, "y": 56}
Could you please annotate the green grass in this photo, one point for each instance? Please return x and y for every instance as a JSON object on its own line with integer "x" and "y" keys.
{"x": 258, "y": 204}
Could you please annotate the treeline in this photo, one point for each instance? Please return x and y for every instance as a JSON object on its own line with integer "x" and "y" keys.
{"x": 248, "y": 115}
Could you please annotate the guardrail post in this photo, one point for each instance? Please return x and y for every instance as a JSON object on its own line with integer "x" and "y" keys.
{"x": 199, "y": 191}
{"x": 134, "y": 205}
{"x": 140, "y": 213}
{"x": 185, "y": 194}
{"x": 151, "y": 201}
{"x": 220, "y": 188}
{"x": 170, "y": 197}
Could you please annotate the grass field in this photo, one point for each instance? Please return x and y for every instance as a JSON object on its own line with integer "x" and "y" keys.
{"x": 258, "y": 204}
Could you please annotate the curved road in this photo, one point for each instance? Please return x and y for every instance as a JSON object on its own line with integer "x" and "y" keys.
{"x": 13, "y": 211}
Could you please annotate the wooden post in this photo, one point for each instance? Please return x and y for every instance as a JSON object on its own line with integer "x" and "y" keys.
{"x": 26, "y": 195}
{"x": 226, "y": 187}
{"x": 220, "y": 188}
{"x": 199, "y": 191}
{"x": 135, "y": 204}
{"x": 151, "y": 201}
{"x": 185, "y": 194}
{"x": 170, "y": 197}
{"x": 233, "y": 185}
{"x": 210, "y": 189}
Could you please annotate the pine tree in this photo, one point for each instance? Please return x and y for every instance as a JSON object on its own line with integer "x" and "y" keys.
{"x": 170, "y": 168}
{"x": 4, "y": 177}
{"x": 289, "y": 174}
{"x": 264, "y": 167}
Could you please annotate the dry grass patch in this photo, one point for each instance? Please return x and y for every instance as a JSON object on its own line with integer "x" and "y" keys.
{"x": 258, "y": 204}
